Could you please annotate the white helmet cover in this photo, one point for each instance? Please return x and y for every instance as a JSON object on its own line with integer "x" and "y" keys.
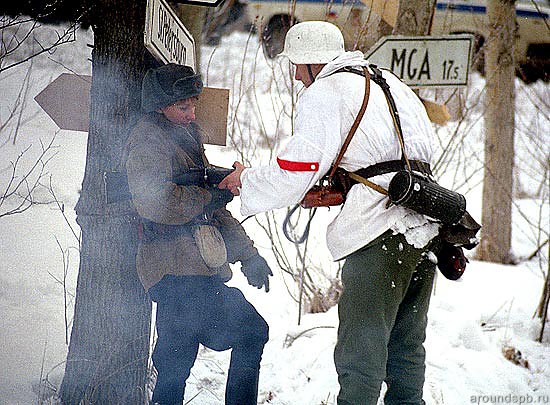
{"x": 313, "y": 42}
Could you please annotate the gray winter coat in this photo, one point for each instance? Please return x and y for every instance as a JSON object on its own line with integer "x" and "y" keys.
{"x": 156, "y": 152}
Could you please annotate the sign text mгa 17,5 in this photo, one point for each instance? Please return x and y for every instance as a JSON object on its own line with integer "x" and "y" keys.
{"x": 425, "y": 61}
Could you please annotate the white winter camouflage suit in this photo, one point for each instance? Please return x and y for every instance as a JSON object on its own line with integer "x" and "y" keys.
{"x": 364, "y": 229}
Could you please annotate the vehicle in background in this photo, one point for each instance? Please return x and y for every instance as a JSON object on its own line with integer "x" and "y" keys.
{"x": 359, "y": 25}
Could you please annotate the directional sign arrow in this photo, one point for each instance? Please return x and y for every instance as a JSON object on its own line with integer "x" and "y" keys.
{"x": 67, "y": 101}
{"x": 425, "y": 61}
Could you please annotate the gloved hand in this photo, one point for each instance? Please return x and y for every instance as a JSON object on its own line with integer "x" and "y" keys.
{"x": 257, "y": 271}
{"x": 220, "y": 198}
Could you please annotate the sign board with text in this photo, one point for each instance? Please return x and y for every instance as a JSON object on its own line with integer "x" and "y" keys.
{"x": 425, "y": 61}
{"x": 166, "y": 37}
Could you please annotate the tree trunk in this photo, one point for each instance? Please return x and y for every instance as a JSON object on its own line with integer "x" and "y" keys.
{"x": 109, "y": 347}
{"x": 193, "y": 18}
{"x": 542, "y": 310}
{"x": 499, "y": 133}
{"x": 414, "y": 17}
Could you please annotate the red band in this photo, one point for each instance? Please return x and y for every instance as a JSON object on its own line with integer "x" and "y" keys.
{"x": 298, "y": 166}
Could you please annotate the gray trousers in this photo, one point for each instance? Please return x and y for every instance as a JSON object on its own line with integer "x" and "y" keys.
{"x": 383, "y": 317}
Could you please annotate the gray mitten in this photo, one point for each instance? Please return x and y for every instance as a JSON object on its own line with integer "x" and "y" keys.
{"x": 257, "y": 271}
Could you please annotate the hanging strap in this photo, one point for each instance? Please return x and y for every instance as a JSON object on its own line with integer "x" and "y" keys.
{"x": 355, "y": 125}
{"x": 347, "y": 141}
{"x": 286, "y": 222}
{"x": 367, "y": 183}
{"x": 379, "y": 79}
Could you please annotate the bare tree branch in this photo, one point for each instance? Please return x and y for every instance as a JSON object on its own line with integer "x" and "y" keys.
{"x": 18, "y": 195}
{"x": 17, "y": 35}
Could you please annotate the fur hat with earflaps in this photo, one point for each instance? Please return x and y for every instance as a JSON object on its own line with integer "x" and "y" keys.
{"x": 167, "y": 84}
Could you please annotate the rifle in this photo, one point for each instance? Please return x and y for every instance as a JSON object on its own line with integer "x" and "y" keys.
{"x": 117, "y": 189}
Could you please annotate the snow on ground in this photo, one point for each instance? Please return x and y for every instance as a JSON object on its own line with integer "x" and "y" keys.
{"x": 470, "y": 321}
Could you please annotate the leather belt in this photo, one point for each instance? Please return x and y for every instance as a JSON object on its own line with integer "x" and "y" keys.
{"x": 393, "y": 166}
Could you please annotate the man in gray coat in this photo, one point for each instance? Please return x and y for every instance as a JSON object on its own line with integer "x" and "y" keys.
{"x": 188, "y": 238}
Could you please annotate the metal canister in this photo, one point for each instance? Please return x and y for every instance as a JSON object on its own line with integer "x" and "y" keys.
{"x": 423, "y": 195}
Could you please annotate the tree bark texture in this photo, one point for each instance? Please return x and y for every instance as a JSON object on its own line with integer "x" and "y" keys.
{"x": 414, "y": 17}
{"x": 109, "y": 346}
{"x": 193, "y": 18}
{"x": 499, "y": 133}
{"x": 542, "y": 310}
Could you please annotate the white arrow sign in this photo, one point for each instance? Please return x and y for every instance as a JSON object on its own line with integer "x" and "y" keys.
{"x": 425, "y": 61}
{"x": 166, "y": 37}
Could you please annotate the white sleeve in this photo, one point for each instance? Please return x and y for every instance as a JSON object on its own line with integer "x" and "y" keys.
{"x": 306, "y": 157}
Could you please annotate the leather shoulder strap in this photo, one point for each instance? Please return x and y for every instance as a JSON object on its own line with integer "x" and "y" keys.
{"x": 379, "y": 80}
{"x": 355, "y": 124}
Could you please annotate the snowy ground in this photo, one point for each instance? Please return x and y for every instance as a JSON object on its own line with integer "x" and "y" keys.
{"x": 470, "y": 322}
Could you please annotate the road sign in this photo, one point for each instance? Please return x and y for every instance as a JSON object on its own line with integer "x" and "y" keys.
{"x": 67, "y": 101}
{"x": 166, "y": 37}
{"x": 425, "y": 61}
